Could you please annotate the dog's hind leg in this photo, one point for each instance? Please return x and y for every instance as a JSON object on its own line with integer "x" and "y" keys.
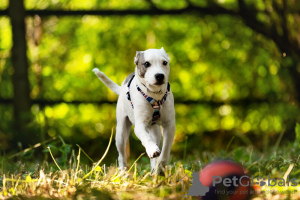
{"x": 155, "y": 134}
{"x": 127, "y": 149}
{"x": 122, "y": 135}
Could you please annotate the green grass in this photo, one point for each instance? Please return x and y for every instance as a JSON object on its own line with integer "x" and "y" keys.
{"x": 74, "y": 179}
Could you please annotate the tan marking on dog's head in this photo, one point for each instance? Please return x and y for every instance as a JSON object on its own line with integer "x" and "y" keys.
{"x": 139, "y": 61}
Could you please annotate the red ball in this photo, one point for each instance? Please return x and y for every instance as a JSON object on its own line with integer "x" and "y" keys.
{"x": 224, "y": 180}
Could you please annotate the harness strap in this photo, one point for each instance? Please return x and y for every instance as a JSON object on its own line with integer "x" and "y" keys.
{"x": 128, "y": 92}
{"x": 155, "y": 104}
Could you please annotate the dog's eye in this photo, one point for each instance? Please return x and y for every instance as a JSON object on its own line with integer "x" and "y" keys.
{"x": 165, "y": 63}
{"x": 147, "y": 64}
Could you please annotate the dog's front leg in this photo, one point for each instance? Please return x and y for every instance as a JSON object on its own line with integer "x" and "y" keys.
{"x": 168, "y": 136}
{"x": 141, "y": 132}
{"x": 155, "y": 133}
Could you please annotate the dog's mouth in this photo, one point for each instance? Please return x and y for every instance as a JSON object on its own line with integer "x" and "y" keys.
{"x": 159, "y": 82}
{"x": 151, "y": 90}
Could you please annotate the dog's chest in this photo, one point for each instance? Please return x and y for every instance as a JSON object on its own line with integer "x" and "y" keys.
{"x": 140, "y": 107}
{"x": 143, "y": 112}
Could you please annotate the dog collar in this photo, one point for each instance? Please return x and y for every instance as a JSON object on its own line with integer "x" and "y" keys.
{"x": 155, "y": 104}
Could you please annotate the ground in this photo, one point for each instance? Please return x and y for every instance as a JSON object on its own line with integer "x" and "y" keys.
{"x": 78, "y": 180}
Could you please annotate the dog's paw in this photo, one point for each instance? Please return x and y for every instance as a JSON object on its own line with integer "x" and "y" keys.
{"x": 153, "y": 151}
{"x": 157, "y": 172}
{"x": 122, "y": 169}
{"x": 122, "y": 172}
{"x": 159, "y": 169}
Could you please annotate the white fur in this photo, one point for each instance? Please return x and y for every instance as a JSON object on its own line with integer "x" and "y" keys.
{"x": 141, "y": 115}
{"x": 107, "y": 81}
{"x": 155, "y": 56}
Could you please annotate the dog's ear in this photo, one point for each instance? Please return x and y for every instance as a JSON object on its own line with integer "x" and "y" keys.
{"x": 136, "y": 58}
{"x": 163, "y": 50}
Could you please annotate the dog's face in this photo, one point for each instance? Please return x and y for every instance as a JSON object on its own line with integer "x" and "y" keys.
{"x": 153, "y": 68}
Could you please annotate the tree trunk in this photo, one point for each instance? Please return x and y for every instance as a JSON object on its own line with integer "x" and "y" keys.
{"x": 295, "y": 75}
{"x": 20, "y": 80}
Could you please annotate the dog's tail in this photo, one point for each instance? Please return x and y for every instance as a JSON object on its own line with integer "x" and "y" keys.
{"x": 107, "y": 81}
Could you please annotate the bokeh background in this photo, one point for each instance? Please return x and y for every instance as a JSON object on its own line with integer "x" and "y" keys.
{"x": 234, "y": 70}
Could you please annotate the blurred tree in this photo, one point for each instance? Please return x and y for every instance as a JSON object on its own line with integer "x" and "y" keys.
{"x": 21, "y": 91}
{"x": 227, "y": 78}
{"x": 278, "y": 21}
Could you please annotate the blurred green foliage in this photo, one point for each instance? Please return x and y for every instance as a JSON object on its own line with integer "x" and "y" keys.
{"x": 235, "y": 74}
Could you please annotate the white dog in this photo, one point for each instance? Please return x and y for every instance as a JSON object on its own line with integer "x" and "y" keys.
{"x": 145, "y": 101}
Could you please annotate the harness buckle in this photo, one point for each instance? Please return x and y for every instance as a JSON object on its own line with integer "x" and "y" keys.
{"x": 128, "y": 96}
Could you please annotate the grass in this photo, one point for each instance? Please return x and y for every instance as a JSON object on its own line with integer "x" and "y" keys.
{"x": 76, "y": 180}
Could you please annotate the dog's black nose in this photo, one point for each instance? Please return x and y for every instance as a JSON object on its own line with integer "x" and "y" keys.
{"x": 159, "y": 77}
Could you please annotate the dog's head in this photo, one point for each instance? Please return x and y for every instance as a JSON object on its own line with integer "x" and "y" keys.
{"x": 153, "y": 68}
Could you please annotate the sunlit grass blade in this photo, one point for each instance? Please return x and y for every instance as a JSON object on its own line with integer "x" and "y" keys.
{"x": 30, "y": 148}
{"x": 17, "y": 184}
{"x": 229, "y": 143}
{"x": 112, "y": 133}
{"x": 135, "y": 161}
{"x": 288, "y": 171}
{"x": 78, "y": 161}
{"x": 53, "y": 158}
{"x": 62, "y": 140}
{"x": 278, "y": 142}
{"x": 21, "y": 181}
{"x": 4, "y": 185}
{"x": 85, "y": 153}
{"x": 135, "y": 171}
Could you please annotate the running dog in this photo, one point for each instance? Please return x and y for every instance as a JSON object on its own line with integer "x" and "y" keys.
{"x": 145, "y": 101}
